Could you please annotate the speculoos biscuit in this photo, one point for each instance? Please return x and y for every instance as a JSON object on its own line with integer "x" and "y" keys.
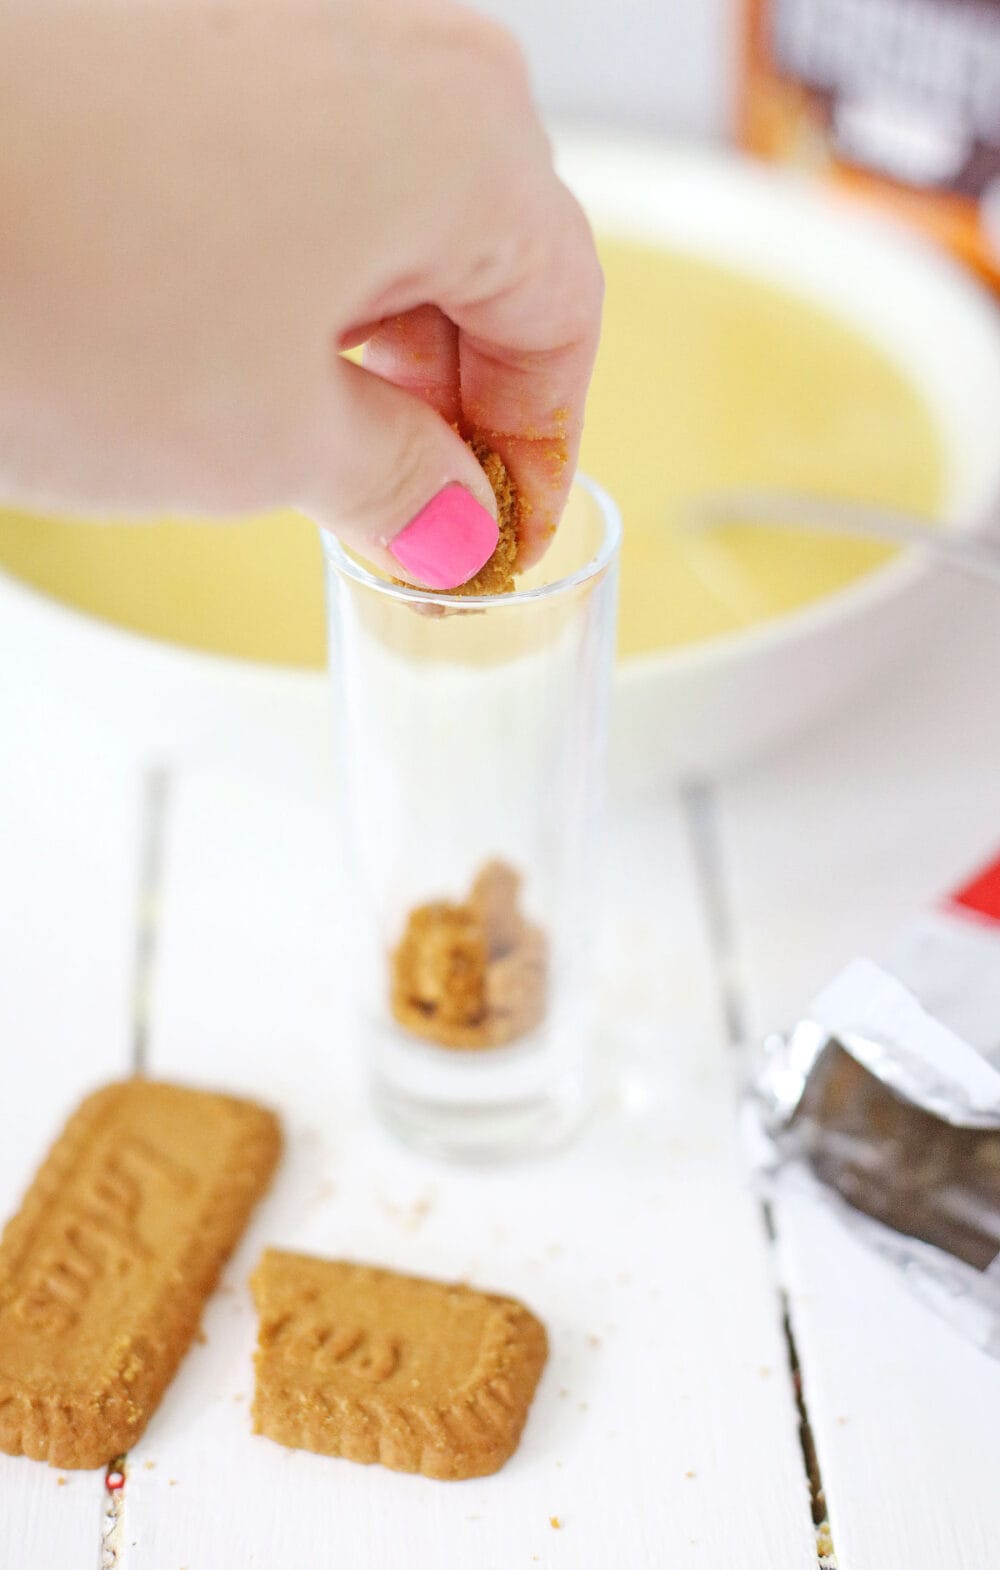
{"x": 106, "y": 1266}
{"x": 363, "y": 1363}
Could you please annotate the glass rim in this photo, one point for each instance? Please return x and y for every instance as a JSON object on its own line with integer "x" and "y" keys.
{"x": 354, "y": 569}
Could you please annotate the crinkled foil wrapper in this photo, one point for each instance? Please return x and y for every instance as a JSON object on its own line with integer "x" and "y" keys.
{"x": 876, "y": 1107}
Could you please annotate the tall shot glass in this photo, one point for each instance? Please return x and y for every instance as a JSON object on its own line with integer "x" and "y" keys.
{"x": 471, "y": 737}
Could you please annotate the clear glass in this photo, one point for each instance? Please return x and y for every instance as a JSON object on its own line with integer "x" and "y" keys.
{"x": 471, "y": 753}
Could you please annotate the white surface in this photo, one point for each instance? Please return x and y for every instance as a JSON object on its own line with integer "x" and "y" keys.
{"x": 878, "y": 811}
{"x": 627, "y": 1246}
{"x": 826, "y": 856}
{"x": 903, "y": 1408}
{"x": 830, "y": 849}
{"x": 825, "y": 850}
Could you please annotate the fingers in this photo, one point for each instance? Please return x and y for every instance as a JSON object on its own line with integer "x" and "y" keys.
{"x": 506, "y": 349}
{"x": 418, "y": 351}
{"x": 393, "y": 480}
{"x": 515, "y": 363}
{"x": 526, "y": 352}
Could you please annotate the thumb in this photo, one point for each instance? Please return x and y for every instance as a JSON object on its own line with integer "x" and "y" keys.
{"x": 394, "y": 482}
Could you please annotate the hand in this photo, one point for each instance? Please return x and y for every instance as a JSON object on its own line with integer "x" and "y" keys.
{"x": 204, "y": 203}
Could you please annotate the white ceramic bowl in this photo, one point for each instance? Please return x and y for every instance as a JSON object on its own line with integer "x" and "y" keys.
{"x": 688, "y": 712}
{"x": 701, "y": 709}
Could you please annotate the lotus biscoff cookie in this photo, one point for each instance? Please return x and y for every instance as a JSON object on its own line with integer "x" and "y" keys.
{"x": 106, "y": 1267}
{"x": 366, "y": 1364}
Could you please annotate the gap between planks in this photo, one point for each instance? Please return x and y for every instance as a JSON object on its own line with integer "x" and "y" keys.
{"x": 699, "y": 809}
{"x": 152, "y": 832}
{"x": 153, "y": 812}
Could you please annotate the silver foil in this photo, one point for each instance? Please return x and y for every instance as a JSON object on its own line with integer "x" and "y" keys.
{"x": 880, "y": 1111}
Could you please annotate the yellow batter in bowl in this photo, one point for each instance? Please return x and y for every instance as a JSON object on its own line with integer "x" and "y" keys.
{"x": 707, "y": 379}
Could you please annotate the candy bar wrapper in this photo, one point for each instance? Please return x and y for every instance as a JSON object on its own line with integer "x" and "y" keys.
{"x": 885, "y": 1101}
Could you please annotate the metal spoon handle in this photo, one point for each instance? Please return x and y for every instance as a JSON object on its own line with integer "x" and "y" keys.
{"x": 788, "y": 509}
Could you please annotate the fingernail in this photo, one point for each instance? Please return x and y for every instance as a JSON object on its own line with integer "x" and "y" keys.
{"x": 448, "y": 541}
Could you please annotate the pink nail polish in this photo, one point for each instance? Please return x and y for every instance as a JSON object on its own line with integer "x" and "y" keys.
{"x": 448, "y": 541}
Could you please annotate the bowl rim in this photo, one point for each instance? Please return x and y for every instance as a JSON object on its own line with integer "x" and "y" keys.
{"x": 593, "y": 161}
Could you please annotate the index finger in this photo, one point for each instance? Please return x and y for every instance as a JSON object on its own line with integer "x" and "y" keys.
{"x": 526, "y": 352}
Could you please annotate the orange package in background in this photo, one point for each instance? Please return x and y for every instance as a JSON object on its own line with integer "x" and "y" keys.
{"x": 898, "y": 100}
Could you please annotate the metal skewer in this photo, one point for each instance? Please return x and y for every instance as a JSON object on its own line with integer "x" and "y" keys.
{"x": 971, "y": 553}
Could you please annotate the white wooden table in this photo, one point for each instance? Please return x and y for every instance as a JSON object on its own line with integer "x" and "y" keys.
{"x": 168, "y": 903}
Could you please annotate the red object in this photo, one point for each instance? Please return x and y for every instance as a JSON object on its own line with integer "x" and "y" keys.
{"x": 113, "y": 1481}
{"x": 982, "y": 895}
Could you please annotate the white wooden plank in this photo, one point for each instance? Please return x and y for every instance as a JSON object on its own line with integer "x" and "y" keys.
{"x": 152, "y": 700}
{"x": 902, "y": 1408}
{"x": 663, "y": 1431}
{"x": 830, "y": 847}
{"x": 877, "y": 812}
{"x": 69, "y": 835}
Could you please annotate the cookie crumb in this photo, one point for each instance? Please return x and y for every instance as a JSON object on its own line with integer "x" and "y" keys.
{"x": 411, "y": 1216}
{"x": 497, "y": 577}
{"x": 473, "y": 974}
{"x": 555, "y": 1523}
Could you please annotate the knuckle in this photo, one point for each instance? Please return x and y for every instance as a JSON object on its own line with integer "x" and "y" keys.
{"x": 592, "y": 285}
{"x": 492, "y": 58}
{"x": 578, "y": 259}
{"x": 504, "y": 52}
{"x": 482, "y": 36}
